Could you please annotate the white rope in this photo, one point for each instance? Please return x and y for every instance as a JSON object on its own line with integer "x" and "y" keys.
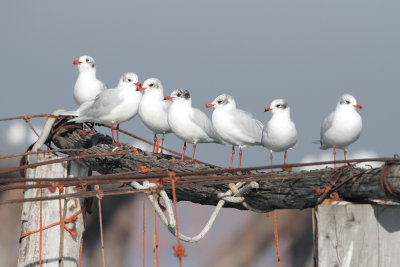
{"x": 171, "y": 225}
{"x": 235, "y": 189}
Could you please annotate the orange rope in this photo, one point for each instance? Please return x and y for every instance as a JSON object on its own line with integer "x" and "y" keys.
{"x": 179, "y": 249}
{"x": 80, "y": 252}
{"x": 156, "y": 238}
{"x": 61, "y": 256}
{"x": 144, "y": 228}
{"x": 278, "y": 257}
{"x": 99, "y": 197}
{"x": 40, "y": 233}
{"x": 61, "y": 217}
{"x": 70, "y": 219}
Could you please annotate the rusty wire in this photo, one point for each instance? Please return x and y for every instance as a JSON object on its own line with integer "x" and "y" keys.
{"x": 23, "y": 117}
{"x": 215, "y": 171}
{"x": 192, "y": 180}
{"x": 187, "y": 182}
{"x": 158, "y": 172}
{"x": 188, "y": 179}
{"x": 43, "y": 152}
{"x": 32, "y": 165}
{"x": 104, "y": 192}
{"x": 385, "y": 182}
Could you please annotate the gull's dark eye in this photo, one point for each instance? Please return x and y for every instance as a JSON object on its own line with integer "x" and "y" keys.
{"x": 219, "y": 101}
{"x": 279, "y": 105}
{"x": 87, "y": 60}
{"x": 129, "y": 80}
{"x": 347, "y": 102}
{"x": 179, "y": 95}
{"x": 151, "y": 85}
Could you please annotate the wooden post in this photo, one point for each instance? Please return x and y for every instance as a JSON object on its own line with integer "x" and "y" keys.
{"x": 358, "y": 235}
{"x": 51, "y": 252}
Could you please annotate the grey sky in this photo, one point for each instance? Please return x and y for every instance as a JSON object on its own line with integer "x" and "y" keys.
{"x": 308, "y": 52}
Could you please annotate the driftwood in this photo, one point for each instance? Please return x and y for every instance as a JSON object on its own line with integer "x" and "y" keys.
{"x": 282, "y": 190}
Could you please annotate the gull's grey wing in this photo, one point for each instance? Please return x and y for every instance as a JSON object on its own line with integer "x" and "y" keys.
{"x": 248, "y": 125}
{"x": 101, "y": 105}
{"x": 202, "y": 120}
{"x": 327, "y": 124}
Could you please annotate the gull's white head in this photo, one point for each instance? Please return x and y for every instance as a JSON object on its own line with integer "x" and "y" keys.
{"x": 151, "y": 85}
{"x": 348, "y": 101}
{"x": 278, "y": 106}
{"x": 222, "y": 101}
{"x": 179, "y": 96}
{"x": 129, "y": 80}
{"x": 85, "y": 63}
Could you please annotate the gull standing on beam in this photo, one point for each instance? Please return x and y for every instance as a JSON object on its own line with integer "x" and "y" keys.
{"x": 342, "y": 127}
{"x": 87, "y": 86}
{"x": 112, "y": 106}
{"x": 188, "y": 123}
{"x": 153, "y": 110}
{"x": 235, "y": 126}
{"x": 279, "y": 133}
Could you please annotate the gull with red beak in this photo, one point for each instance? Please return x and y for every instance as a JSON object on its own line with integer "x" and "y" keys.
{"x": 235, "y": 126}
{"x": 188, "y": 123}
{"x": 153, "y": 110}
{"x": 342, "y": 127}
{"x": 279, "y": 133}
{"x": 112, "y": 106}
{"x": 87, "y": 85}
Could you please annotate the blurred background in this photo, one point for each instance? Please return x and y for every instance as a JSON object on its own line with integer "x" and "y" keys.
{"x": 308, "y": 52}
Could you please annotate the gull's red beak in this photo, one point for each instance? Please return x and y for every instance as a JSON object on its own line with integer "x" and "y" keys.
{"x": 267, "y": 109}
{"x": 208, "y": 105}
{"x": 358, "y": 106}
{"x": 139, "y": 87}
{"x": 168, "y": 97}
{"x": 76, "y": 62}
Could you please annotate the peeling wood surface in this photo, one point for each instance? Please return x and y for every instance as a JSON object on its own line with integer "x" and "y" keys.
{"x": 29, "y": 247}
{"x": 287, "y": 192}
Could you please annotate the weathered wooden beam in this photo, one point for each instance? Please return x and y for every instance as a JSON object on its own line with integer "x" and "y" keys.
{"x": 282, "y": 190}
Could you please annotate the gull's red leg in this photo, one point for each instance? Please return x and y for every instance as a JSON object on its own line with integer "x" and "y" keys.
{"x": 334, "y": 155}
{"x": 93, "y": 131}
{"x": 112, "y": 133}
{"x": 345, "y": 155}
{"x": 285, "y": 156}
{"x": 183, "y": 152}
{"x": 270, "y": 158}
{"x": 233, "y": 155}
{"x": 240, "y": 157}
{"x": 194, "y": 151}
{"x": 162, "y": 142}
{"x": 155, "y": 142}
{"x": 118, "y": 133}
{"x": 84, "y": 131}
